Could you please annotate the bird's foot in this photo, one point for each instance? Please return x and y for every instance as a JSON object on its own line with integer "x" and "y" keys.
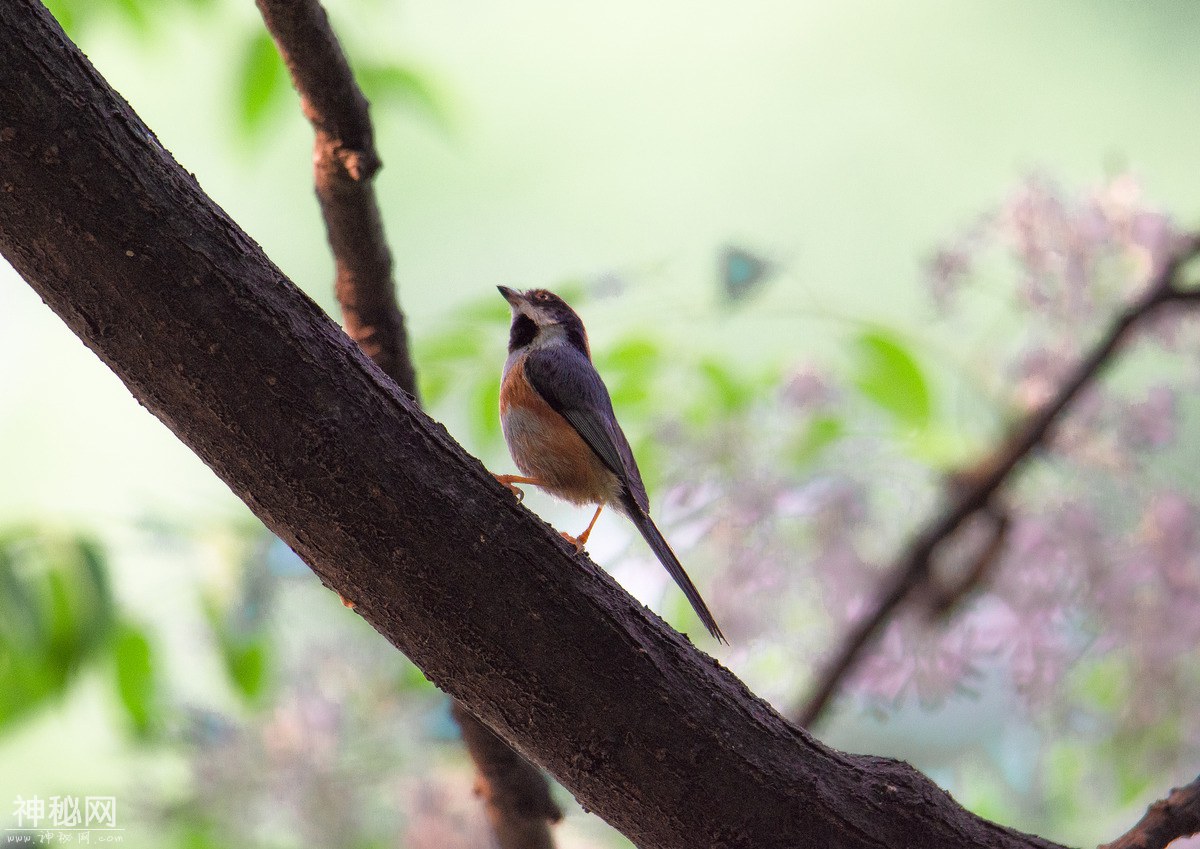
{"x": 508, "y": 482}
{"x": 575, "y": 541}
{"x": 513, "y": 488}
{"x": 346, "y": 602}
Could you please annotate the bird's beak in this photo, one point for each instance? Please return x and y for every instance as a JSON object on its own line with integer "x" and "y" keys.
{"x": 513, "y": 297}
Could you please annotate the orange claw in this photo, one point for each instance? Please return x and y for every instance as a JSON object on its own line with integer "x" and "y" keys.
{"x": 582, "y": 539}
{"x": 509, "y": 480}
{"x": 348, "y": 604}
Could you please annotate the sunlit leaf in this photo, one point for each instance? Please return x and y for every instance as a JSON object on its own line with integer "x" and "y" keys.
{"x": 133, "y": 659}
{"x": 888, "y": 375}
{"x": 261, "y": 82}
{"x": 636, "y": 353}
{"x": 629, "y": 369}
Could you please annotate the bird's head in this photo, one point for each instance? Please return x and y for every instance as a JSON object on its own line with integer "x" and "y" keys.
{"x": 542, "y": 319}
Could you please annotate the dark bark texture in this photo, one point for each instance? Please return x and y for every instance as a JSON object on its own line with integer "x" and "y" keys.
{"x": 649, "y": 733}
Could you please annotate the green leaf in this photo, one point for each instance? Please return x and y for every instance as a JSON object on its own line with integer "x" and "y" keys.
{"x": 888, "y": 375}
{"x": 135, "y": 676}
{"x": 247, "y": 666}
{"x": 245, "y": 654}
{"x": 261, "y": 82}
{"x": 55, "y": 616}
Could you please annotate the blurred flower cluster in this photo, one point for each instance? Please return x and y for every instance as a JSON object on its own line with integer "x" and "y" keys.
{"x": 1091, "y": 612}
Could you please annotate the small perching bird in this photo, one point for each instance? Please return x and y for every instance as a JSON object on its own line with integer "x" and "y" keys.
{"x": 560, "y": 428}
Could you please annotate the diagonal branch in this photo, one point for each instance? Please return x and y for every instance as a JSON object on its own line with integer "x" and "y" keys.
{"x": 344, "y": 164}
{"x": 975, "y": 492}
{"x": 517, "y": 794}
{"x": 1166, "y": 820}
{"x": 490, "y": 603}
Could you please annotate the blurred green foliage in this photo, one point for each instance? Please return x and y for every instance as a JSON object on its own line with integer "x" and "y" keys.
{"x": 261, "y": 83}
{"x": 57, "y": 620}
{"x": 888, "y": 375}
{"x": 138, "y": 15}
{"x": 261, "y": 80}
{"x": 56, "y": 616}
{"x": 135, "y": 676}
{"x": 243, "y": 649}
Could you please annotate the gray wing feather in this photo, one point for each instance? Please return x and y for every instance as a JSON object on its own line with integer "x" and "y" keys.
{"x": 570, "y": 384}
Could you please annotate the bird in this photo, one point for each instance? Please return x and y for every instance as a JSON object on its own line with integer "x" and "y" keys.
{"x": 558, "y": 421}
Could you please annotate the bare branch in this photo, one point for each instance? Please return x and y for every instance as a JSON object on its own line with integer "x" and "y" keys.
{"x": 974, "y": 491}
{"x": 1166, "y": 820}
{"x": 516, "y": 793}
{"x": 344, "y": 164}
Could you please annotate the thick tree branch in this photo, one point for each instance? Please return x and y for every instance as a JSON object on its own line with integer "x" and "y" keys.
{"x": 345, "y": 162}
{"x": 974, "y": 492}
{"x": 517, "y": 794}
{"x": 1166, "y": 820}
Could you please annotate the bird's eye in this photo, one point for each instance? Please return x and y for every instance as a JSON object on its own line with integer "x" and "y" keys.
{"x": 541, "y": 296}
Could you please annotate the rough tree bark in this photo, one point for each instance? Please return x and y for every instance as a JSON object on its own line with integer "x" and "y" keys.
{"x": 493, "y": 606}
{"x": 517, "y": 795}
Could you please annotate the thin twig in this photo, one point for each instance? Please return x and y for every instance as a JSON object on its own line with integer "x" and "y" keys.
{"x": 344, "y": 163}
{"x": 1166, "y": 820}
{"x": 911, "y": 569}
{"x": 517, "y": 794}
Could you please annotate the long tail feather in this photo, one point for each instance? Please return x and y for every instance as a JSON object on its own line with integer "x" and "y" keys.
{"x": 667, "y": 557}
